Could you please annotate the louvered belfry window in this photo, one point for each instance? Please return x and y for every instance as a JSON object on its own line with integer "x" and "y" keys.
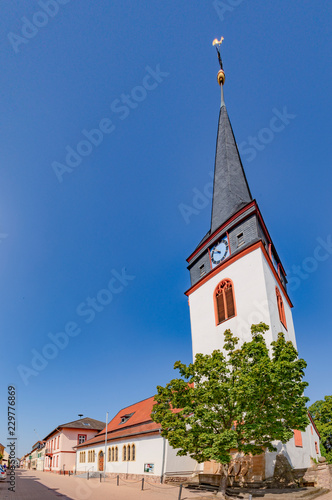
{"x": 225, "y": 304}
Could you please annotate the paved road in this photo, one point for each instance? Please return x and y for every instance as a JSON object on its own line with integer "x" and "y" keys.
{"x": 35, "y": 485}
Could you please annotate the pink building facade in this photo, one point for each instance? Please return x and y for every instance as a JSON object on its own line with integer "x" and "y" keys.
{"x": 59, "y": 452}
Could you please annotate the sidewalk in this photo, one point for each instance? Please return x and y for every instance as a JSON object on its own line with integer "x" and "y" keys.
{"x": 37, "y": 485}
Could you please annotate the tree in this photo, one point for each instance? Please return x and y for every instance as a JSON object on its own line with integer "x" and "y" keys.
{"x": 321, "y": 412}
{"x": 243, "y": 398}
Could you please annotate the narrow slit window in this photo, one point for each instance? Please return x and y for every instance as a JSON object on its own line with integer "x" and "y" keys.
{"x": 281, "y": 308}
{"x": 202, "y": 271}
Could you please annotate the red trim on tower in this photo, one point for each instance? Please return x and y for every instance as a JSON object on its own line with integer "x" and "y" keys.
{"x": 234, "y": 258}
{"x": 229, "y": 245}
{"x": 210, "y": 258}
{"x": 235, "y": 216}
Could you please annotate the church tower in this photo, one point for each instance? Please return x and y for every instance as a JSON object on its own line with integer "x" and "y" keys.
{"x": 237, "y": 278}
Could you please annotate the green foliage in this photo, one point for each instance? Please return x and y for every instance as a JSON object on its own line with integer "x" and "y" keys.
{"x": 321, "y": 412}
{"x": 242, "y": 398}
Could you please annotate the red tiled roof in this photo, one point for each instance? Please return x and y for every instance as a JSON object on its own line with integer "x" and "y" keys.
{"x": 313, "y": 423}
{"x": 141, "y": 413}
{"x": 138, "y": 423}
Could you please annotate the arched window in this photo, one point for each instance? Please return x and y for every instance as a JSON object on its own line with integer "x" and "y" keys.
{"x": 113, "y": 454}
{"x": 224, "y": 301}
{"x": 116, "y": 454}
{"x": 124, "y": 453}
{"x": 128, "y": 452}
{"x": 109, "y": 454}
{"x": 133, "y": 452}
{"x": 281, "y": 308}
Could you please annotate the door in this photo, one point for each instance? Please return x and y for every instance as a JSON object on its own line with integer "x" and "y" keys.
{"x": 101, "y": 461}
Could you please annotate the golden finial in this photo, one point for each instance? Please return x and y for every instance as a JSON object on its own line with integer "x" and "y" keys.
{"x": 221, "y": 74}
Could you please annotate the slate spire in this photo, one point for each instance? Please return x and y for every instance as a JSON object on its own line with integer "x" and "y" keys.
{"x": 230, "y": 187}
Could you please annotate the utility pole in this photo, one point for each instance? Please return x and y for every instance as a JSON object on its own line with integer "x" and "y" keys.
{"x": 105, "y": 457}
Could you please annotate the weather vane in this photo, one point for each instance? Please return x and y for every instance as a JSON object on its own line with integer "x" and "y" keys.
{"x": 221, "y": 74}
{"x": 216, "y": 43}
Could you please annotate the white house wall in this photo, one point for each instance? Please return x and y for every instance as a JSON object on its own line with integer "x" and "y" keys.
{"x": 148, "y": 450}
{"x": 174, "y": 463}
{"x": 298, "y": 457}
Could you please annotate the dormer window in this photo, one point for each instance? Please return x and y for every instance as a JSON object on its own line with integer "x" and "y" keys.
{"x": 125, "y": 418}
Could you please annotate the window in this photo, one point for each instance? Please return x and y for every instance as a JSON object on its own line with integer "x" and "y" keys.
{"x": 298, "y": 438}
{"x": 128, "y": 452}
{"x": 126, "y": 417}
{"x": 81, "y": 438}
{"x": 316, "y": 448}
{"x": 116, "y": 454}
{"x": 224, "y": 301}
{"x": 58, "y": 441}
{"x": 124, "y": 453}
{"x": 133, "y": 452}
{"x": 201, "y": 271}
{"x": 91, "y": 455}
{"x": 113, "y": 454}
{"x": 240, "y": 239}
{"x": 109, "y": 454}
{"x": 281, "y": 309}
{"x": 82, "y": 457}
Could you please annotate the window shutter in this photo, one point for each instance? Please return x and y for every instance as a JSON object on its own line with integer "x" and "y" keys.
{"x": 221, "y": 307}
{"x": 230, "y": 302}
{"x": 298, "y": 438}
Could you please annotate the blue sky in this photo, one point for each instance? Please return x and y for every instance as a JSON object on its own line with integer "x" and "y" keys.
{"x": 61, "y": 243}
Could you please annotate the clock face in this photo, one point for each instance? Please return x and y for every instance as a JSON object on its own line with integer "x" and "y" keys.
{"x": 219, "y": 252}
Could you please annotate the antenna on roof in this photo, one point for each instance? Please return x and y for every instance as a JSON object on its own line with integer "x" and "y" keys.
{"x": 80, "y": 415}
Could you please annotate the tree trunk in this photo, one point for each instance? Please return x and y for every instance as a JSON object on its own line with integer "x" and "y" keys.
{"x": 223, "y": 480}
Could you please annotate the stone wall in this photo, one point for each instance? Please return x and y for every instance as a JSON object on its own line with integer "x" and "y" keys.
{"x": 319, "y": 475}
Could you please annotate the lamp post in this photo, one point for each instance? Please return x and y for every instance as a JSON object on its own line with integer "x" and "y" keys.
{"x": 105, "y": 456}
